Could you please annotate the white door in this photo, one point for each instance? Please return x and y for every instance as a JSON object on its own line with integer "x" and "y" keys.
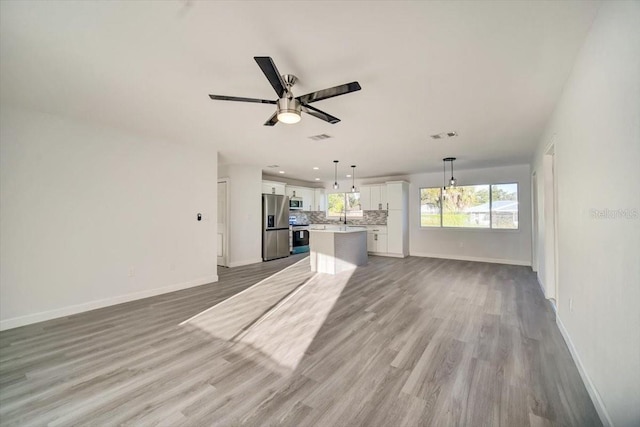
{"x": 223, "y": 224}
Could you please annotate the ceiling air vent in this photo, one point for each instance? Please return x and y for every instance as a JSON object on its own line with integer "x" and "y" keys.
{"x": 444, "y": 135}
{"x": 273, "y": 166}
{"x": 320, "y": 137}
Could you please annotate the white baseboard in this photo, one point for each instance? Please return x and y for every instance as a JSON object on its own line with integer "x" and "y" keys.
{"x": 387, "y": 254}
{"x": 541, "y": 285}
{"x": 591, "y": 389}
{"x": 92, "y": 305}
{"x": 472, "y": 258}
{"x": 244, "y": 262}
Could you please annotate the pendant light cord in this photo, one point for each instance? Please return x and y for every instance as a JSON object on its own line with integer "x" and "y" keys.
{"x": 452, "y": 178}
{"x": 353, "y": 179}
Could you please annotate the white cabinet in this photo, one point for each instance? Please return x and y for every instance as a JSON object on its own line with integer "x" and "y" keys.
{"x": 398, "y": 218}
{"x": 377, "y": 239}
{"x": 308, "y": 196}
{"x": 290, "y": 191}
{"x": 379, "y": 197}
{"x": 365, "y": 198}
{"x": 320, "y": 202}
{"x": 272, "y": 187}
{"x": 395, "y": 235}
{"x": 373, "y": 197}
{"x": 396, "y": 195}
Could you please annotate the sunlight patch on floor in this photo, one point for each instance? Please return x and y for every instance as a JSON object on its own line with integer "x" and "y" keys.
{"x": 277, "y": 318}
{"x": 285, "y": 333}
{"x": 230, "y": 317}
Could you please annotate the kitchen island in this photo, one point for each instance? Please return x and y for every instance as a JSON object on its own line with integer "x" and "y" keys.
{"x": 337, "y": 248}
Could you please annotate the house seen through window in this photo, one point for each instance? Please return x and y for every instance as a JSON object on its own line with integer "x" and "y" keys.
{"x": 472, "y": 206}
{"x": 336, "y": 203}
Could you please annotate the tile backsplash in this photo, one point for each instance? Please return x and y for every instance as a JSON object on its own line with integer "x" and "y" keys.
{"x": 319, "y": 217}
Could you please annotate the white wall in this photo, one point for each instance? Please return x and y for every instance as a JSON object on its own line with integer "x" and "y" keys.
{"x": 503, "y": 246}
{"x": 291, "y": 181}
{"x": 245, "y": 213}
{"x": 93, "y": 216}
{"x": 596, "y": 134}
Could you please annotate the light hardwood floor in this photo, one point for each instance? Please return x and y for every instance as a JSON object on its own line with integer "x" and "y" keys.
{"x": 415, "y": 342}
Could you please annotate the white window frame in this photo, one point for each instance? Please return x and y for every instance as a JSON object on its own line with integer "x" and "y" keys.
{"x": 482, "y": 229}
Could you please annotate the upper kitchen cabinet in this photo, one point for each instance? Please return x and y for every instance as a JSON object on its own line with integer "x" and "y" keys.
{"x": 272, "y": 187}
{"x": 320, "y": 202}
{"x": 397, "y": 194}
{"x": 373, "y": 197}
{"x": 290, "y": 191}
{"x": 305, "y": 193}
{"x": 379, "y": 197}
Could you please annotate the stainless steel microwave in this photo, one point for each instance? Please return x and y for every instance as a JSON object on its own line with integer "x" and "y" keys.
{"x": 295, "y": 203}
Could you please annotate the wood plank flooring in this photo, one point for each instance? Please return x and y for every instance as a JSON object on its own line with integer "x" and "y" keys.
{"x": 400, "y": 342}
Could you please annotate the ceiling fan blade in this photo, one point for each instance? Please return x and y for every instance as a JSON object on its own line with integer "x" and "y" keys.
{"x": 319, "y": 114}
{"x": 272, "y": 120}
{"x": 237, "y": 98}
{"x": 273, "y": 75}
{"x": 329, "y": 93}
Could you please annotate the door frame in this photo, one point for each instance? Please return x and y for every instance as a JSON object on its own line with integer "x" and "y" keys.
{"x": 225, "y": 242}
{"x": 551, "y": 224}
{"x": 534, "y": 216}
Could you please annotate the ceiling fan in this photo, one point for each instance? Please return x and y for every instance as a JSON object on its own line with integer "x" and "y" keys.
{"x": 289, "y": 108}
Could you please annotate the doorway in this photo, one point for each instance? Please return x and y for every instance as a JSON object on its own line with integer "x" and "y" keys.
{"x": 550, "y": 225}
{"x": 534, "y": 229}
{"x": 223, "y": 224}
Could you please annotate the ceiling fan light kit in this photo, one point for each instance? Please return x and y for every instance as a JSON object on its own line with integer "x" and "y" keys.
{"x": 288, "y": 108}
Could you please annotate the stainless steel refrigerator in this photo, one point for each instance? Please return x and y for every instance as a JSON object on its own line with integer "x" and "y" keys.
{"x": 275, "y": 226}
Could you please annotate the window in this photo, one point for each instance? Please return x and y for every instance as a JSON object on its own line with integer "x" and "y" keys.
{"x": 504, "y": 206}
{"x": 430, "y": 207}
{"x": 472, "y": 206}
{"x": 336, "y": 204}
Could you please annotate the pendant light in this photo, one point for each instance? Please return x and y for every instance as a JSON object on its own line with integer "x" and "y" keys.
{"x": 353, "y": 179}
{"x": 452, "y": 181}
{"x": 335, "y": 183}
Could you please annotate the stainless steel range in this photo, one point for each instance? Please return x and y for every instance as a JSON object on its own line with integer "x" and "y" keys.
{"x": 298, "y": 236}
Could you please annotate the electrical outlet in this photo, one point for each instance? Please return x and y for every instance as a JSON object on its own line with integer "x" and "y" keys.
{"x": 571, "y": 305}
{"x": 132, "y": 272}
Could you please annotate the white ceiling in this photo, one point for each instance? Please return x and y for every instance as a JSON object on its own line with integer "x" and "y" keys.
{"x": 492, "y": 71}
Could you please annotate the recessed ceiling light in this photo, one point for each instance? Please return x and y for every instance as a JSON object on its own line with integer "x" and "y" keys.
{"x": 280, "y": 171}
{"x": 317, "y": 179}
{"x": 315, "y": 168}
{"x": 348, "y": 176}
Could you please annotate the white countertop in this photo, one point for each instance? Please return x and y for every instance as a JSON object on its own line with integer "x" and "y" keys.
{"x": 338, "y": 229}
